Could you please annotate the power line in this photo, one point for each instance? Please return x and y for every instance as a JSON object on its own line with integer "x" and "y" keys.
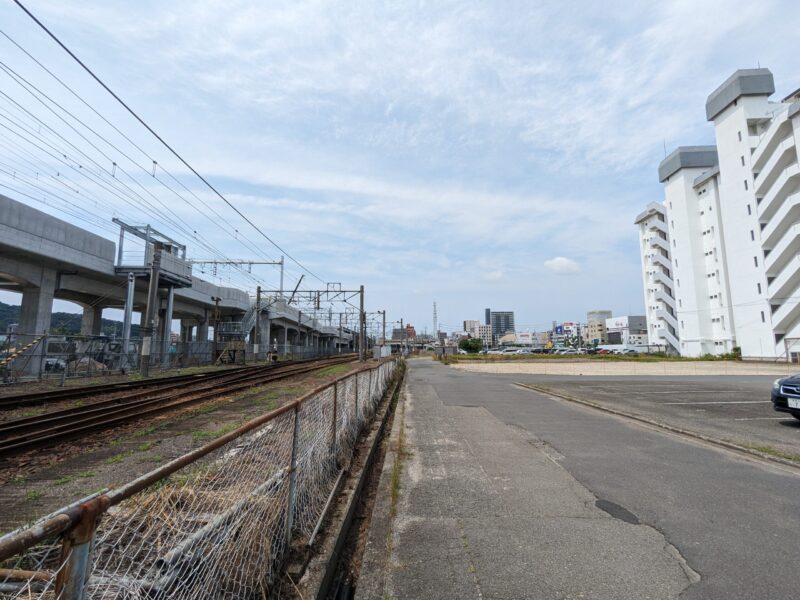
{"x": 163, "y": 142}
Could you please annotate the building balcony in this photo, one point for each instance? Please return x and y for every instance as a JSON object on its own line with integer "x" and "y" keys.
{"x": 662, "y": 296}
{"x": 659, "y": 242}
{"x": 785, "y": 154}
{"x": 657, "y": 225}
{"x": 660, "y": 259}
{"x": 786, "y": 317}
{"x": 778, "y": 129}
{"x": 784, "y": 185}
{"x": 786, "y": 282}
{"x": 783, "y": 252}
{"x": 669, "y": 339}
{"x": 667, "y": 318}
{"x": 787, "y": 215}
{"x": 660, "y": 277}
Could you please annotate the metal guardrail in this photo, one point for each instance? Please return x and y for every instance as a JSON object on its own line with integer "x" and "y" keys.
{"x": 214, "y": 523}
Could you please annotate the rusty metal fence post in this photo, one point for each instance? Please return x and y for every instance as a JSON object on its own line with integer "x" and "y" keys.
{"x": 290, "y": 504}
{"x": 76, "y": 551}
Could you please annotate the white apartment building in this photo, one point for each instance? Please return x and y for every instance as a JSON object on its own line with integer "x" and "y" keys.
{"x": 659, "y": 299}
{"x": 485, "y": 334}
{"x": 732, "y": 213}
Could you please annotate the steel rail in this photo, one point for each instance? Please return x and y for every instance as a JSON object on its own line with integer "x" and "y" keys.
{"x": 36, "y": 398}
{"x": 71, "y": 425}
{"x": 38, "y": 421}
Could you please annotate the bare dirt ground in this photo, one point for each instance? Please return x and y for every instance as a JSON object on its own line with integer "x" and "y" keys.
{"x": 621, "y": 368}
{"x": 39, "y": 482}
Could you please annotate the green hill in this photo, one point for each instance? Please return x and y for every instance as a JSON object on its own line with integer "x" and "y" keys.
{"x": 61, "y": 323}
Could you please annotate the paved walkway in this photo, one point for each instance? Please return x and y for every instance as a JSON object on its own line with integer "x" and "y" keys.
{"x": 485, "y": 511}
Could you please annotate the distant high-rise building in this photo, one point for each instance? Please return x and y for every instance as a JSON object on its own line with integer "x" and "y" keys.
{"x": 502, "y": 322}
{"x": 488, "y": 320}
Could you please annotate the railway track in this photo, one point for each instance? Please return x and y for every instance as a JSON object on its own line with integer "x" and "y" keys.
{"x": 75, "y": 393}
{"x": 28, "y": 433}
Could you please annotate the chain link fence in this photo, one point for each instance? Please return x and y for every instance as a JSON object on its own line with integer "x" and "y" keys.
{"x": 62, "y": 357}
{"x": 215, "y": 523}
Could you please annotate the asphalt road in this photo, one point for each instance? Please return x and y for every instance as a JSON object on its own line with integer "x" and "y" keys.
{"x": 736, "y": 521}
{"x": 733, "y": 408}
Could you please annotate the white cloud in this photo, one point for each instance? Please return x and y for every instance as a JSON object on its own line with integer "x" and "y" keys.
{"x": 562, "y": 266}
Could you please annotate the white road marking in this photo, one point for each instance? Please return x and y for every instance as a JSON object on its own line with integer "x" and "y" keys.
{"x": 764, "y": 419}
{"x": 722, "y": 402}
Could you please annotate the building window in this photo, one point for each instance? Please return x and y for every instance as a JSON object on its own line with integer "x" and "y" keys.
{"x": 745, "y": 184}
{"x": 752, "y": 235}
{"x": 749, "y": 210}
{"x": 755, "y": 260}
{"x": 742, "y": 160}
{"x": 763, "y": 320}
{"x": 740, "y": 136}
{"x": 682, "y": 324}
{"x": 758, "y": 285}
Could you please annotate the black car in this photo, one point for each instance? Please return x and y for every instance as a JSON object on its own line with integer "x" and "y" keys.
{"x": 786, "y": 395}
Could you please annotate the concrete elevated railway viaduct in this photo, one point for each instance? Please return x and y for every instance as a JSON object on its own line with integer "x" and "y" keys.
{"x": 45, "y": 258}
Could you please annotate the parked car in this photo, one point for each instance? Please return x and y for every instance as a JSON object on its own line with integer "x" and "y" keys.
{"x": 604, "y": 351}
{"x": 786, "y": 395}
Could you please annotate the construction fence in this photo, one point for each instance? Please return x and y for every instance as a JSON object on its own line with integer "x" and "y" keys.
{"x": 25, "y": 357}
{"x": 215, "y": 523}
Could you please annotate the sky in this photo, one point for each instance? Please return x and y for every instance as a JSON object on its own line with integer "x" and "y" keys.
{"x": 471, "y": 154}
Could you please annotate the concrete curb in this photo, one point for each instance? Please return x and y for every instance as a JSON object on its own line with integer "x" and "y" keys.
{"x": 671, "y": 428}
{"x": 322, "y": 568}
{"x": 377, "y": 554}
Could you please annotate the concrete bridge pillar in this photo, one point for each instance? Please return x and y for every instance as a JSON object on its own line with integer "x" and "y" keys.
{"x": 35, "y": 314}
{"x": 92, "y": 320}
{"x": 264, "y": 330}
{"x": 202, "y": 329}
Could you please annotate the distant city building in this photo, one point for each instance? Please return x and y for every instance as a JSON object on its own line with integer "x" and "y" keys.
{"x": 596, "y": 331}
{"x": 502, "y": 322}
{"x": 471, "y": 327}
{"x": 485, "y": 334}
{"x": 659, "y": 297}
{"x": 629, "y": 330}
{"x": 411, "y": 333}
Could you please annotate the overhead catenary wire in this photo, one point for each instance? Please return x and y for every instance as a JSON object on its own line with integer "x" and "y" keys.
{"x": 109, "y": 176}
{"x": 187, "y": 230}
{"x": 164, "y": 143}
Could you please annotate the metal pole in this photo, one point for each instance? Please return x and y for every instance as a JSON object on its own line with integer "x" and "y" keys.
{"x": 402, "y": 348}
{"x": 258, "y": 318}
{"x": 339, "y": 341}
{"x": 126, "y": 323}
{"x": 362, "y": 353}
{"x": 152, "y": 293}
{"x": 280, "y": 291}
{"x": 384, "y": 326}
{"x": 119, "y": 250}
{"x": 76, "y": 551}
{"x": 167, "y": 341}
{"x": 334, "y": 433}
{"x": 292, "y": 477}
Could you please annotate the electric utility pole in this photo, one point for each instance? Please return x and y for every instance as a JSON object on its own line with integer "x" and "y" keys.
{"x": 149, "y": 315}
